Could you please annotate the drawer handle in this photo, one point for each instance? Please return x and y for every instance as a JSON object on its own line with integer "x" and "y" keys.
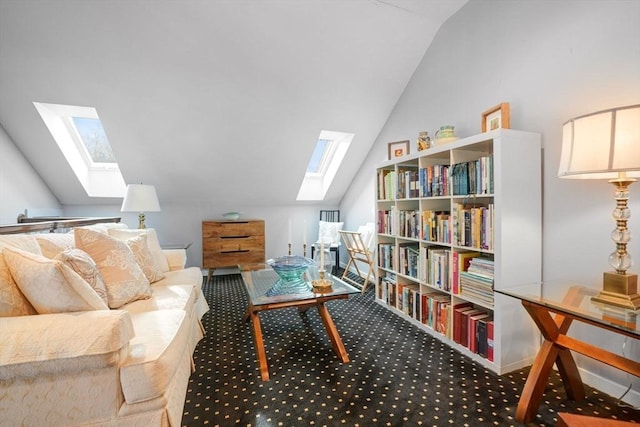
{"x": 233, "y": 252}
{"x": 235, "y": 237}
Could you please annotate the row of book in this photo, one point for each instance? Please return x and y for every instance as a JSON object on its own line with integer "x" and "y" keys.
{"x": 473, "y": 328}
{"x": 435, "y": 226}
{"x": 409, "y": 223}
{"x": 386, "y": 220}
{"x": 464, "y": 323}
{"x": 473, "y": 226}
{"x": 409, "y": 259}
{"x": 473, "y": 177}
{"x": 387, "y": 255}
{"x": 408, "y": 182}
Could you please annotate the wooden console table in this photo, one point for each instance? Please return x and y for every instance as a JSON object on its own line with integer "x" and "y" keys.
{"x": 228, "y": 243}
{"x": 553, "y": 307}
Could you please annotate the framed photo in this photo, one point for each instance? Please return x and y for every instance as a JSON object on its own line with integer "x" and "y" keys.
{"x": 496, "y": 117}
{"x": 398, "y": 149}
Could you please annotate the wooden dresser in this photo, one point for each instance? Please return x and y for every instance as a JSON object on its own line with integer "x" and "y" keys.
{"x": 229, "y": 243}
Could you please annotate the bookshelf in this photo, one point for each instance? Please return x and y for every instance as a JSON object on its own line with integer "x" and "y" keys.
{"x": 454, "y": 223}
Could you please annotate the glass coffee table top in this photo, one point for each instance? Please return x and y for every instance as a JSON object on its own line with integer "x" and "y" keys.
{"x": 259, "y": 278}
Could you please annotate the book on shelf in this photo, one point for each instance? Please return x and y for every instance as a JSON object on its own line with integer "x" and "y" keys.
{"x": 490, "y": 342}
{"x": 473, "y": 330}
{"x": 409, "y": 259}
{"x": 457, "y": 316}
{"x": 434, "y": 181}
{"x": 464, "y": 324}
{"x": 481, "y": 334}
{"x": 438, "y": 268}
{"x": 436, "y": 226}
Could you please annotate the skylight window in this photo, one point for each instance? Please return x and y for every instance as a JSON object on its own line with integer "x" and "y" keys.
{"x": 94, "y": 139}
{"x": 80, "y": 136}
{"x": 325, "y": 161}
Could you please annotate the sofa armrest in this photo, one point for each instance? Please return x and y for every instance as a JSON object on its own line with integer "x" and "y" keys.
{"x": 44, "y": 344}
{"x": 177, "y": 258}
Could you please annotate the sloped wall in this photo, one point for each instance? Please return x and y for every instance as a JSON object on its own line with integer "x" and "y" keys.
{"x": 20, "y": 186}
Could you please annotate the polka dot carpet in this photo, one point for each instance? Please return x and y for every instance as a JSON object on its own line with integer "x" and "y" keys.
{"x": 398, "y": 375}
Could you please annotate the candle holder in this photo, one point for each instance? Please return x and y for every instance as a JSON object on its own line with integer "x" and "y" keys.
{"x": 289, "y": 252}
{"x": 304, "y": 249}
{"x": 322, "y": 285}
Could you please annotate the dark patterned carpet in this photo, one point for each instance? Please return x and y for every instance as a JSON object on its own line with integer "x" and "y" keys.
{"x": 398, "y": 375}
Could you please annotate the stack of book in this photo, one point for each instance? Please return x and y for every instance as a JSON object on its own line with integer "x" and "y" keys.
{"x": 477, "y": 281}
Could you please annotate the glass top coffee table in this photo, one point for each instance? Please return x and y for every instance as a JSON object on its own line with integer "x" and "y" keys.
{"x": 259, "y": 278}
{"x": 554, "y": 306}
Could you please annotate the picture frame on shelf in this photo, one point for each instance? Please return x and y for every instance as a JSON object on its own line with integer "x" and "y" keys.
{"x": 496, "y": 117}
{"x": 397, "y": 149}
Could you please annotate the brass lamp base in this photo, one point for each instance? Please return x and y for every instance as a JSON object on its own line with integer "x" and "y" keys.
{"x": 141, "y": 218}
{"x": 620, "y": 290}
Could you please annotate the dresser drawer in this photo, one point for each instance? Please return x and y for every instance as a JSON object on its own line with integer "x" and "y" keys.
{"x": 216, "y": 230}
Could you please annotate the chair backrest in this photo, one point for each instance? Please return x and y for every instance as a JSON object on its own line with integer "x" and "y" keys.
{"x": 330, "y": 216}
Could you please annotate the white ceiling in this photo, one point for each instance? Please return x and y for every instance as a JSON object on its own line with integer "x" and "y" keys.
{"x": 210, "y": 100}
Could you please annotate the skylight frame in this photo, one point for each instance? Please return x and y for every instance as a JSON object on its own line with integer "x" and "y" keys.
{"x": 315, "y": 185}
{"x": 98, "y": 179}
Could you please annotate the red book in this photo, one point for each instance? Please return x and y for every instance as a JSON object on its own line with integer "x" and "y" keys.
{"x": 457, "y": 316}
{"x": 464, "y": 325}
{"x": 490, "y": 340}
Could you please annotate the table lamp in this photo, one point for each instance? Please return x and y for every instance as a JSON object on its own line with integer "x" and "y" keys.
{"x": 606, "y": 145}
{"x": 140, "y": 198}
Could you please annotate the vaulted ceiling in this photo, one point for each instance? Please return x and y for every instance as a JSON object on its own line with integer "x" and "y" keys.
{"x": 210, "y": 100}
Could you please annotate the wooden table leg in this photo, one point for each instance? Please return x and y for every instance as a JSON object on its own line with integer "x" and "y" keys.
{"x": 550, "y": 352}
{"x": 332, "y": 331}
{"x": 259, "y": 343}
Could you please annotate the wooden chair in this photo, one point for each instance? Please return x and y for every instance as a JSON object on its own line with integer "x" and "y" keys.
{"x": 357, "y": 244}
{"x": 329, "y": 216}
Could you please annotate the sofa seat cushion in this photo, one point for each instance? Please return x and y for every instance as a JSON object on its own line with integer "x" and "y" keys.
{"x": 162, "y": 337}
{"x": 173, "y": 297}
{"x": 74, "y": 342}
{"x": 188, "y": 276}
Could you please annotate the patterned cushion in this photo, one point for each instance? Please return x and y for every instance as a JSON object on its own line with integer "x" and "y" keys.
{"x": 124, "y": 279}
{"x": 80, "y": 262}
{"x": 144, "y": 258}
{"x": 49, "y": 285}
{"x": 159, "y": 257}
{"x": 26, "y": 242}
{"x": 12, "y": 301}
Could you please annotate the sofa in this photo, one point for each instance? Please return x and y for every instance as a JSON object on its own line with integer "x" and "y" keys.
{"x": 97, "y": 328}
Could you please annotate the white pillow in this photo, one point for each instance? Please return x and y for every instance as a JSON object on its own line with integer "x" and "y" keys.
{"x": 52, "y": 244}
{"x": 49, "y": 285}
{"x": 12, "y": 301}
{"x": 153, "y": 244}
{"x": 328, "y": 232}
{"x": 124, "y": 279}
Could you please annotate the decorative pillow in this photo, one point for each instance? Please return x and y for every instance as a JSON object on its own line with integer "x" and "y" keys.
{"x": 159, "y": 257}
{"x": 51, "y": 244}
{"x": 144, "y": 258}
{"x": 49, "y": 285}
{"x": 12, "y": 301}
{"x": 124, "y": 279}
{"x": 80, "y": 262}
{"x": 328, "y": 232}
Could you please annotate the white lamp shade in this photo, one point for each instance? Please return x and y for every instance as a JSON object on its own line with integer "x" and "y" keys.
{"x": 140, "y": 198}
{"x": 601, "y": 145}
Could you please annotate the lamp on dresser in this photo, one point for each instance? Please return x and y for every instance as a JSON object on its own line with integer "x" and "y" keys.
{"x": 606, "y": 145}
{"x": 140, "y": 198}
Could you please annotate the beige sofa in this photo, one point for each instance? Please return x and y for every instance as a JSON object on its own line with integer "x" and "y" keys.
{"x": 68, "y": 357}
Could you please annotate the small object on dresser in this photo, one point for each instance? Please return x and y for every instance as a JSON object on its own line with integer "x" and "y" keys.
{"x": 233, "y": 216}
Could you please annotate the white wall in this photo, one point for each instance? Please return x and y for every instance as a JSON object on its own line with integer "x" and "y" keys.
{"x": 20, "y": 186}
{"x": 551, "y": 60}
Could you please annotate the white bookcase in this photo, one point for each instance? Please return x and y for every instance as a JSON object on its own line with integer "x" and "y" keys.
{"x": 499, "y": 220}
